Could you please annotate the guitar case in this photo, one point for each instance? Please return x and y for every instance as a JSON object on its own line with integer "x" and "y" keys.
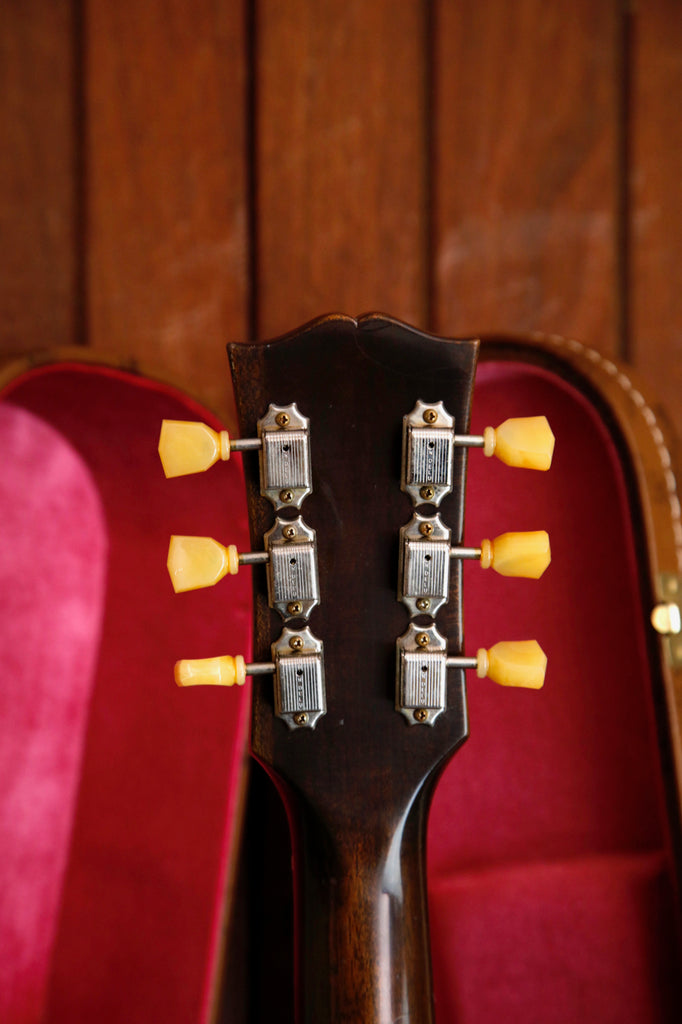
{"x": 554, "y": 835}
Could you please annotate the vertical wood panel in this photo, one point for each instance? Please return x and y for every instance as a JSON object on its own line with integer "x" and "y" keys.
{"x": 526, "y": 150}
{"x": 166, "y": 176}
{"x": 341, "y": 160}
{"x": 37, "y": 175}
{"x": 656, "y": 194}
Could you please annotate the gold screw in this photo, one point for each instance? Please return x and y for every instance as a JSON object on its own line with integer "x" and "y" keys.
{"x": 288, "y": 532}
{"x": 286, "y": 496}
{"x": 296, "y": 643}
{"x": 300, "y": 718}
{"x": 420, "y": 714}
{"x": 423, "y": 604}
{"x": 282, "y": 419}
{"x": 426, "y": 529}
{"x": 422, "y": 639}
{"x": 427, "y": 492}
{"x": 294, "y": 608}
{"x": 430, "y": 415}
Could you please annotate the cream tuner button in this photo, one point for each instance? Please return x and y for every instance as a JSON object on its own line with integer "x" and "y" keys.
{"x": 195, "y": 562}
{"x": 225, "y": 671}
{"x": 186, "y": 447}
{"x": 517, "y": 554}
{"x": 513, "y": 663}
{"x": 527, "y": 443}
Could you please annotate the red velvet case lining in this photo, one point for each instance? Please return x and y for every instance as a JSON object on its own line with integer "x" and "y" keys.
{"x": 550, "y": 877}
{"x": 118, "y": 866}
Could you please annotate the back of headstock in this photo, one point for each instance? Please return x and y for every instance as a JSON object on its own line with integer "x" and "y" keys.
{"x": 355, "y": 382}
{"x": 357, "y": 424}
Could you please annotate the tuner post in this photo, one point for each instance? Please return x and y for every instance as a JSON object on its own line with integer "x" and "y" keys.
{"x": 187, "y": 447}
{"x": 524, "y": 555}
{"x": 526, "y": 442}
{"x": 520, "y": 663}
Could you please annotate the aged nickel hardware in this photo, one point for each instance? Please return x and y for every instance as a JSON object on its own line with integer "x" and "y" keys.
{"x": 285, "y": 456}
{"x": 299, "y": 678}
{"x": 421, "y": 693}
{"x": 424, "y": 569}
{"x": 428, "y": 445}
{"x": 293, "y": 583}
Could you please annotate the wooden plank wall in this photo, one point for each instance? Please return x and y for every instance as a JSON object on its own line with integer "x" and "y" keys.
{"x": 177, "y": 174}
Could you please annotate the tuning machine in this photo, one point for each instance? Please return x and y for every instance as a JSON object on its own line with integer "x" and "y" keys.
{"x": 290, "y": 558}
{"x": 283, "y": 443}
{"x": 422, "y": 662}
{"x": 298, "y": 668}
{"x": 429, "y": 442}
{"x": 425, "y": 554}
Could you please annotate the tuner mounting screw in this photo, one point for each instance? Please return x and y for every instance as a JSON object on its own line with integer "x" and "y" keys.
{"x": 426, "y": 529}
{"x": 296, "y": 643}
{"x": 423, "y": 604}
{"x": 286, "y": 496}
{"x": 300, "y": 718}
{"x": 427, "y": 492}
{"x": 282, "y": 419}
{"x": 289, "y": 532}
{"x": 422, "y": 639}
{"x": 430, "y": 415}
{"x": 294, "y": 608}
{"x": 420, "y": 714}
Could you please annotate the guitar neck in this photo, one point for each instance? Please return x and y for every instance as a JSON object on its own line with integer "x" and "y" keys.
{"x": 357, "y": 787}
{"x": 362, "y": 920}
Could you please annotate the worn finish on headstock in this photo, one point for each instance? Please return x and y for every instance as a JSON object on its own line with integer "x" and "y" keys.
{"x": 357, "y": 787}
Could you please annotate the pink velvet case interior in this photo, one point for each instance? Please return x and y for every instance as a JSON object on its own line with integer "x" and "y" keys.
{"x": 550, "y": 872}
{"x": 119, "y": 791}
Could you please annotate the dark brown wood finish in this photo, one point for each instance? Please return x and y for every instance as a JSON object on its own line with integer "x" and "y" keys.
{"x": 357, "y": 788}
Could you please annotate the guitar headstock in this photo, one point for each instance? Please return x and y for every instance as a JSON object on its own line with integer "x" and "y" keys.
{"x": 357, "y": 497}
